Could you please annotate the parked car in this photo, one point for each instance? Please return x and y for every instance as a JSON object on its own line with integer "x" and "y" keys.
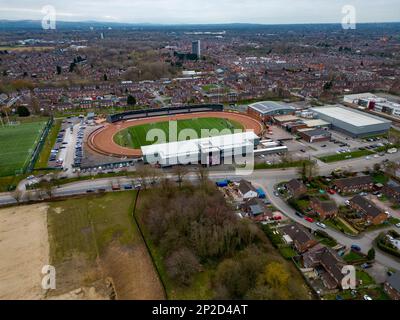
{"x": 366, "y": 265}
{"x": 299, "y": 214}
{"x": 321, "y": 225}
{"x": 309, "y": 219}
{"x": 367, "y": 297}
{"x": 355, "y": 247}
{"x": 331, "y": 191}
{"x": 398, "y": 225}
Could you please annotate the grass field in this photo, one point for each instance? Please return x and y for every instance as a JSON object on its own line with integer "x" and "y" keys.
{"x": 135, "y": 137}
{"x": 97, "y": 232}
{"x": 17, "y": 144}
{"x": 346, "y": 156}
{"x": 48, "y": 145}
{"x": 69, "y": 219}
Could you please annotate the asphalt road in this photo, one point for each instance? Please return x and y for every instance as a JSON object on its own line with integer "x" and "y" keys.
{"x": 265, "y": 178}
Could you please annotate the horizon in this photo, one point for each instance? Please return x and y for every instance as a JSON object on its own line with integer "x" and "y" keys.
{"x": 180, "y": 12}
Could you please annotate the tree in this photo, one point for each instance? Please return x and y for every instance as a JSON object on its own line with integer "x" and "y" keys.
{"x": 47, "y": 187}
{"x": 17, "y": 195}
{"x": 202, "y": 175}
{"x": 131, "y": 100}
{"x": 72, "y": 67}
{"x": 308, "y": 170}
{"x": 181, "y": 265}
{"x": 390, "y": 168}
{"x": 277, "y": 278}
{"x": 328, "y": 85}
{"x": 235, "y": 277}
{"x": 154, "y": 174}
{"x": 23, "y": 111}
{"x": 371, "y": 254}
{"x": 35, "y": 105}
{"x": 179, "y": 172}
{"x": 377, "y": 167}
{"x": 302, "y": 171}
{"x": 143, "y": 174}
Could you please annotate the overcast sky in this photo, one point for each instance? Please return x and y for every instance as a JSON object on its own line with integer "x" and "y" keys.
{"x": 204, "y": 11}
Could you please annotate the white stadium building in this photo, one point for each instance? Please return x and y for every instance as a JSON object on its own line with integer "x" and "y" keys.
{"x": 208, "y": 151}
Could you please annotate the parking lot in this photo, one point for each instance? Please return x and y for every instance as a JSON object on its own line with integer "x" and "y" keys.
{"x": 339, "y": 143}
{"x": 64, "y": 139}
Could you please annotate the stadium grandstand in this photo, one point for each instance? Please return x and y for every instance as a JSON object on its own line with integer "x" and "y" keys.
{"x": 138, "y": 114}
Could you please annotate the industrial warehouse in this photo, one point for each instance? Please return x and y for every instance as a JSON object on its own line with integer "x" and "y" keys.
{"x": 352, "y": 122}
{"x": 208, "y": 151}
{"x": 265, "y": 110}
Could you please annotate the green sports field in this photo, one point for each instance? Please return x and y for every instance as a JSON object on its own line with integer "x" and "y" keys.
{"x": 135, "y": 137}
{"x": 17, "y": 143}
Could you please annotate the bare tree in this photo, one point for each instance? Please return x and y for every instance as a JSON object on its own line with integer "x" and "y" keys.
{"x": 47, "y": 187}
{"x": 143, "y": 174}
{"x": 154, "y": 174}
{"x": 308, "y": 170}
{"x": 203, "y": 174}
{"x": 180, "y": 172}
{"x": 17, "y": 195}
{"x": 390, "y": 168}
{"x": 182, "y": 265}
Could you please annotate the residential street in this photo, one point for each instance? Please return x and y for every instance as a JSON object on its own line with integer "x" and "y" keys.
{"x": 264, "y": 178}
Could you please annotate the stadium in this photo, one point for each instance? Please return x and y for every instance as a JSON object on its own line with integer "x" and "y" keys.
{"x": 124, "y": 134}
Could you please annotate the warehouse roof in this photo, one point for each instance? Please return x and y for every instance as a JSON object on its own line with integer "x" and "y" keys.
{"x": 266, "y": 107}
{"x": 195, "y": 146}
{"x": 286, "y": 118}
{"x": 316, "y": 132}
{"x": 316, "y": 123}
{"x": 357, "y": 96}
{"x": 352, "y": 117}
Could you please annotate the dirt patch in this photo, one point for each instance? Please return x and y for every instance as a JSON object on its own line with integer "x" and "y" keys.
{"x": 94, "y": 292}
{"x": 24, "y": 250}
{"x": 132, "y": 273}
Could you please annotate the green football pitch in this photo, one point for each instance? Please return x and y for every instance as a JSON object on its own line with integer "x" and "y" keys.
{"x": 136, "y": 136}
{"x": 17, "y": 142}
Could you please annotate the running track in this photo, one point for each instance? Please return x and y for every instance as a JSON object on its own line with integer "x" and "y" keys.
{"x": 102, "y": 139}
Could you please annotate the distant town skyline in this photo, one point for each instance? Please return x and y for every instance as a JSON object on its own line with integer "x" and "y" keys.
{"x": 204, "y": 12}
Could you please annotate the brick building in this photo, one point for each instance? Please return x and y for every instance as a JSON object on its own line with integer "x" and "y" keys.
{"x": 325, "y": 209}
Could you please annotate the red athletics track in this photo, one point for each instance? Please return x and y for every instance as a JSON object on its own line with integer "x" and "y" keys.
{"x": 102, "y": 139}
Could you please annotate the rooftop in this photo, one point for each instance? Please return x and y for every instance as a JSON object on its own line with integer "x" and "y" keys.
{"x": 316, "y": 132}
{"x": 367, "y": 206}
{"x": 270, "y": 106}
{"x": 194, "y": 146}
{"x": 394, "y": 281}
{"x": 297, "y": 233}
{"x": 315, "y": 123}
{"x": 352, "y": 117}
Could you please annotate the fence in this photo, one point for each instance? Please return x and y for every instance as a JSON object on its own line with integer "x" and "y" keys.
{"x": 38, "y": 148}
